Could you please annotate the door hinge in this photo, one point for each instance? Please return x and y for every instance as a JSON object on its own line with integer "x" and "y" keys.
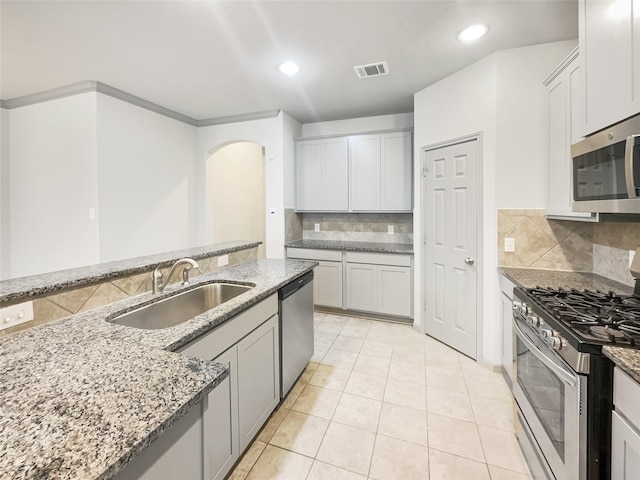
{"x": 425, "y": 170}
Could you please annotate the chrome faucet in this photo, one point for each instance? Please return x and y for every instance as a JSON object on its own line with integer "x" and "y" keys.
{"x": 188, "y": 263}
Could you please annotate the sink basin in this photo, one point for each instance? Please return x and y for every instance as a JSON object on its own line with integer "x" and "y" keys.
{"x": 180, "y": 308}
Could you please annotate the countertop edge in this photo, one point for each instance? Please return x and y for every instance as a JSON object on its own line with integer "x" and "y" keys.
{"x": 373, "y": 247}
{"x": 25, "y": 288}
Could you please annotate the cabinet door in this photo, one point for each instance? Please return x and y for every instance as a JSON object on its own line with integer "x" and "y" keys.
{"x": 362, "y": 287}
{"x": 258, "y": 379}
{"x": 625, "y": 449}
{"x": 364, "y": 161}
{"x": 564, "y": 122}
{"x": 335, "y": 175}
{"x": 220, "y": 420}
{"x": 507, "y": 335}
{"x": 309, "y": 175}
{"x": 396, "y": 173}
{"x": 328, "y": 284}
{"x": 394, "y": 290}
{"x": 607, "y": 51}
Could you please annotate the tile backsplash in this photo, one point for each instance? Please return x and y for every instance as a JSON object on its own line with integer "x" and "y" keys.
{"x": 358, "y": 227}
{"x": 601, "y": 248}
{"x": 59, "y": 305}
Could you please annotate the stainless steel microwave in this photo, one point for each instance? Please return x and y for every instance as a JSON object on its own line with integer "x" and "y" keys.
{"x": 606, "y": 170}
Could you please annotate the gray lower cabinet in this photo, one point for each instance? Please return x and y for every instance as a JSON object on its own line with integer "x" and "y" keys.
{"x": 206, "y": 442}
{"x": 384, "y": 289}
{"x": 177, "y": 453}
{"x": 258, "y": 379}
{"x": 249, "y": 346}
{"x": 328, "y": 284}
{"x": 506, "y": 313}
{"x": 380, "y": 283}
{"x": 625, "y": 427}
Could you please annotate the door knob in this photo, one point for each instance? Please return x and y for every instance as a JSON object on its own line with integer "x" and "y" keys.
{"x": 469, "y": 261}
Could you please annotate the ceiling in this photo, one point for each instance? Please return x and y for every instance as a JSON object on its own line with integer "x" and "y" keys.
{"x": 211, "y": 59}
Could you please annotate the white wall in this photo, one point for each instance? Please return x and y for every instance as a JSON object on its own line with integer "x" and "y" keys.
{"x": 4, "y": 194}
{"x": 357, "y": 125}
{"x": 480, "y": 99}
{"x": 53, "y": 178}
{"x": 268, "y": 133}
{"x": 147, "y": 181}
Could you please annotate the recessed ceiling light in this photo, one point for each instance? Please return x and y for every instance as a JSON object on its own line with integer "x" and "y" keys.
{"x": 473, "y": 33}
{"x": 289, "y": 68}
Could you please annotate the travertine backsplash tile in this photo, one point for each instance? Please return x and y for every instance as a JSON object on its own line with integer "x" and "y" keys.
{"x": 60, "y": 305}
{"x": 611, "y": 245}
{"x": 292, "y": 225}
{"x": 601, "y": 248}
{"x": 542, "y": 243}
{"x": 359, "y": 227}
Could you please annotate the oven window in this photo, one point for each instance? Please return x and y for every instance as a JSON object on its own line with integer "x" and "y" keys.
{"x": 544, "y": 392}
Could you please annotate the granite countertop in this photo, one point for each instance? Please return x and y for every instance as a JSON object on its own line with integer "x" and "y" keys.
{"x": 626, "y": 359}
{"x": 23, "y": 288}
{"x": 377, "y": 247}
{"x": 530, "y": 277}
{"x": 80, "y": 397}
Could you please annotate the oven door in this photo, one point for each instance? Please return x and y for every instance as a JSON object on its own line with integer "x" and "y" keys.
{"x": 548, "y": 394}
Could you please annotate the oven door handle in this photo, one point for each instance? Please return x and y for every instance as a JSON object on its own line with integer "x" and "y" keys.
{"x": 565, "y": 375}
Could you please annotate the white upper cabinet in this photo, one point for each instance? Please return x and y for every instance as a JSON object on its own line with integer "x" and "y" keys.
{"x": 565, "y": 114}
{"x": 364, "y": 159}
{"x": 322, "y": 175}
{"x": 396, "y": 172}
{"x": 610, "y": 57}
{"x": 360, "y": 173}
{"x": 380, "y": 172}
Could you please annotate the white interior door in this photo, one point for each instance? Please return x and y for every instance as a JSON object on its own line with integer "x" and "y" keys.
{"x": 451, "y": 200}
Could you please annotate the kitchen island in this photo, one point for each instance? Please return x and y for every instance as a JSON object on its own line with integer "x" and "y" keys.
{"x": 81, "y": 397}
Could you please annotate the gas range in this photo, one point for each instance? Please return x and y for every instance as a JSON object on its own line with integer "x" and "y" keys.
{"x": 584, "y": 320}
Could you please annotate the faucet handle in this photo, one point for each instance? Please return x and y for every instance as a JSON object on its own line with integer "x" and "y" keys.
{"x": 185, "y": 274}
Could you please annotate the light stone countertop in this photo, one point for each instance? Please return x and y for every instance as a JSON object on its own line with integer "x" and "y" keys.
{"x": 80, "y": 397}
{"x": 24, "y": 288}
{"x": 374, "y": 247}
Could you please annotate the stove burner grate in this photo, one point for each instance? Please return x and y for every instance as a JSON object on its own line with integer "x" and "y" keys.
{"x": 608, "y": 318}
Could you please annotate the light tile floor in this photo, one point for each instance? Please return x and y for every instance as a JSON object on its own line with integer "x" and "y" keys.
{"x": 381, "y": 401}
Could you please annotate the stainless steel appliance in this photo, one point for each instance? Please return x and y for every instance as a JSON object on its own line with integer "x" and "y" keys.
{"x": 563, "y": 384}
{"x": 606, "y": 170}
{"x": 296, "y": 330}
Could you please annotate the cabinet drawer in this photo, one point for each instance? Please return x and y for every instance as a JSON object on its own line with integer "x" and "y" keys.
{"x": 379, "y": 258}
{"x": 626, "y": 393}
{"x": 311, "y": 254}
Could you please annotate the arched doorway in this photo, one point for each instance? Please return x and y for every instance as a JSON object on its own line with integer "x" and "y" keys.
{"x": 235, "y": 194}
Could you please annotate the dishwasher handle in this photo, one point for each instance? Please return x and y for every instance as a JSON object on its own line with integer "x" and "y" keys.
{"x": 291, "y": 288}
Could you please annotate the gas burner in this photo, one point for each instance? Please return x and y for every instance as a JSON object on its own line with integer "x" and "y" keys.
{"x": 606, "y": 317}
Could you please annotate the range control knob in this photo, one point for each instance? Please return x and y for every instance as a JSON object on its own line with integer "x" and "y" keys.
{"x": 533, "y": 320}
{"x": 554, "y": 342}
{"x": 547, "y": 333}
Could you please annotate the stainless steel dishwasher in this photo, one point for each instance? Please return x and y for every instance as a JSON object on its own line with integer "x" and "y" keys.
{"x": 296, "y": 330}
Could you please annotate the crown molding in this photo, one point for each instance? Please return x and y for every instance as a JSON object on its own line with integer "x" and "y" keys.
{"x": 245, "y": 117}
{"x": 94, "y": 86}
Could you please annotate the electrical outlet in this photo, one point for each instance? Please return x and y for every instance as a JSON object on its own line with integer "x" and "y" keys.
{"x": 316, "y": 227}
{"x": 15, "y": 315}
{"x": 391, "y": 229}
{"x": 509, "y": 245}
{"x": 223, "y": 260}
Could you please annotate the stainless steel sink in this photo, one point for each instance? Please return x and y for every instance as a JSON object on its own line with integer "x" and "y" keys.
{"x": 180, "y": 308}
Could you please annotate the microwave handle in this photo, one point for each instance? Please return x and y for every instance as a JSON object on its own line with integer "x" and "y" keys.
{"x": 629, "y": 165}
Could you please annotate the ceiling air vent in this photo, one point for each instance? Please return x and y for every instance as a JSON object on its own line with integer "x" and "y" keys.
{"x": 372, "y": 70}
